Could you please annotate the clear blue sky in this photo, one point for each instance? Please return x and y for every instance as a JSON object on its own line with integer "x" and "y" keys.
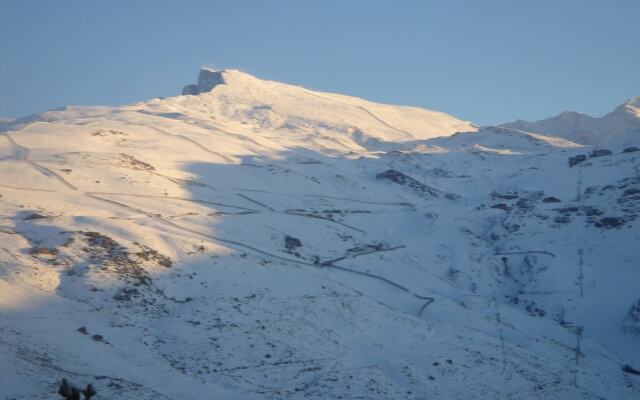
{"x": 488, "y": 61}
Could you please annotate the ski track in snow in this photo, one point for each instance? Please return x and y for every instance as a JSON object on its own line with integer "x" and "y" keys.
{"x": 335, "y": 283}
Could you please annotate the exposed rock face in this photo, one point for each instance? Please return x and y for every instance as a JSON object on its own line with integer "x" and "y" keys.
{"x": 405, "y": 180}
{"x": 207, "y": 80}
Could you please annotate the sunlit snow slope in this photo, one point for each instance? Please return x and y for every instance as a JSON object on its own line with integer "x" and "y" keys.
{"x": 257, "y": 240}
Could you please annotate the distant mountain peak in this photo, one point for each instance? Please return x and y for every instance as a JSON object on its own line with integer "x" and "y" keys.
{"x": 236, "y": 97}
{"x": 634, "y": 102}
{"x": 622, "y": 124}
{"x": 630, "y": 107}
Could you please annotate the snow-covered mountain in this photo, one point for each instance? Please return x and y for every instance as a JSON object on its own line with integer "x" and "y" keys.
{"x": 621, "y": 125}
{"x": 256, "y": 240}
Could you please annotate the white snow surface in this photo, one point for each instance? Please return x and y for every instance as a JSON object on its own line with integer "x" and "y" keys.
{"x": 621, "y": 125}
{"x": 257, "y": 240}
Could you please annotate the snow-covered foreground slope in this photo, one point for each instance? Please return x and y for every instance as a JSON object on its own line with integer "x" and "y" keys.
{"x": 262, "y": 241}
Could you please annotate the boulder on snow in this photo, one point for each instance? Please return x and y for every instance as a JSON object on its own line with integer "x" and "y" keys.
{"x": 610, "y": 222}
{"x": 577, "y": 159}
{"x": 505, "y": 195}
{"x": 600, "y": 153}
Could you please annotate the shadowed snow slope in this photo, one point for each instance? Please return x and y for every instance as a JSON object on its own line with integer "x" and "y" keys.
{"x": 257, "y": 240}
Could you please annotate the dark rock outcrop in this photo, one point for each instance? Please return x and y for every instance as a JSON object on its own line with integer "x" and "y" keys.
{"x": 577, "y": 159}
{"x": 610, "y": 222}
{"x": 600, "y": 153}
{"x": 420, "y": 188}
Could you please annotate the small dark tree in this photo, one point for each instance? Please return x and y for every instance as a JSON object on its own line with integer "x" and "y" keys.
{"x": 89, "y": 392}
{"x": 64, "y": 389}
{"x": 75, "y": 394}
{"x": 70, "y": 392}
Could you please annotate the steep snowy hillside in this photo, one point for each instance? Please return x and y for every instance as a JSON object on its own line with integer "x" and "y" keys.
{"x": 256, "y": 240}
{"x": 621, "y": 125}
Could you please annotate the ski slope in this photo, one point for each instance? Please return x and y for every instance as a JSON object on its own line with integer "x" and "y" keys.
{"x": 257, "y": 240}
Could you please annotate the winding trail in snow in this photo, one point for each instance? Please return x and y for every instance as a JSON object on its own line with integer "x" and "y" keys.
{"x": 195, "y": 143}
{"x": 208, "y": 127}
{"x": 254, "y": 201}
{"x": 24, "y": 153}
{"x": 362, "y": 253}
{"x": 366, "y": 111}
{"x": 375, "y": 203}
{"x": 299, "y": 214}
{"x": 27, "y": 189}
{"x": 150, "y": 196}
{"x": 548, "y": 253}
{"x": 237, "y": 244}
{"x": 383, "y": 122}
{"x": 331, "y": 263}
{"x": 182, "y": 182}
{"x": 232, "y": 243}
